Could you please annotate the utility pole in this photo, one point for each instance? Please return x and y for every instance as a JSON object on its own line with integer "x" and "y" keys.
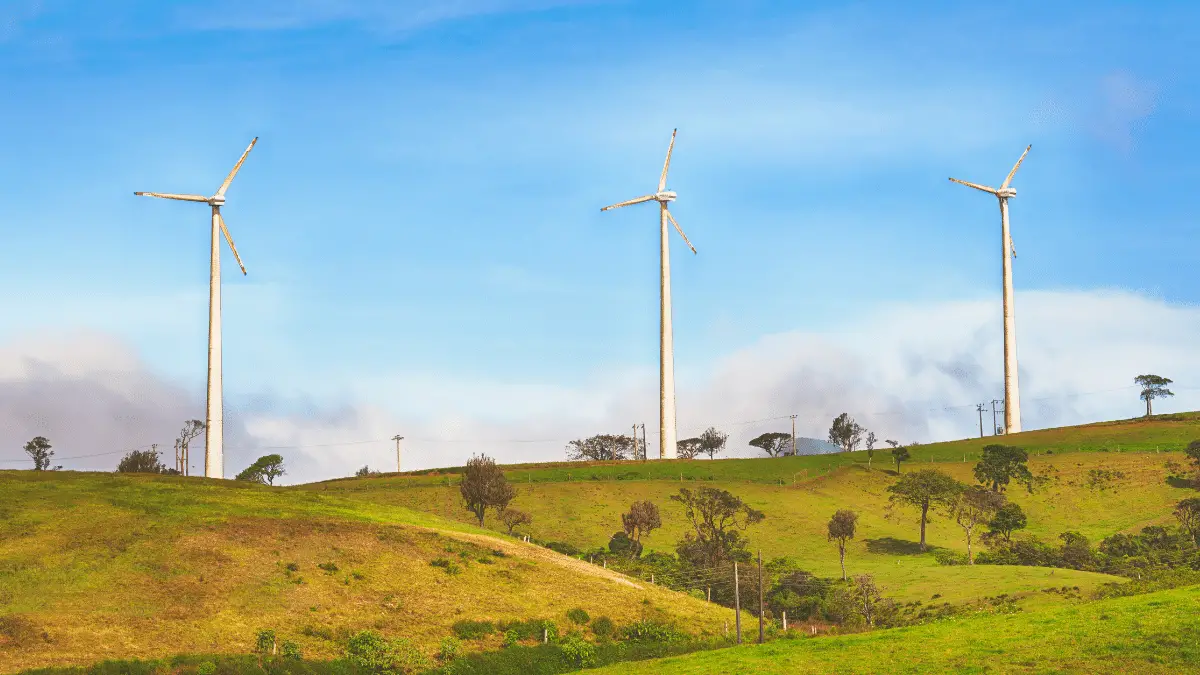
{"x": 994, "y": 426}
{"x": 636, "y": 454}
{"x": 793, "y": 435}
{"x": 397, "y": 438}
{"x": 761, "y": 637}
{"x": 645, "y": 447}
{"x": 737, "y": 604}
{"x": 979, "y": 407}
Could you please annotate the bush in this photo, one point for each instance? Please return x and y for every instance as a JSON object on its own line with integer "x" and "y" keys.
{"x": 371, "y": 651}
{"x": 948, "y": 557}
{"x": 603, "y": 627}
{"x": 290, "y": 650}
{"x": 578, "y": 616}
{"x": 449, "y": 649}
{"x": 473, "y": 630}
{"x": 579, "y": 651}
{"x": 451, "y": 568}
{"x": 264, "y": 643}
{"x": 206, "y": 668}
{"x": 329, "y": 567}
{"x": 648, "y": 630}
{"x": 511, "y": 637}
{"x": 563, "y": 547}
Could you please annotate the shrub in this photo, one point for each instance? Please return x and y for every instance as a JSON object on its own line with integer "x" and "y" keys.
{"x": 451, "y": 568}
{"x": 206, "y": 668}
{"x": 473, "y": 630}
{"x": 947, "y": 557}
{"x": 511, "y": 637}
{"x": 449, "y": 649}
{"x": 371, "y": 651}
{"x": 579, "y": 651}
{"x": 290, "y": 650}
{"x": 264, "y": 643}
{"x": 563, "y": 548}
{"x": 648, "y": 630}
{"x": 603, "y": 627}
{"x": 329, "y": 567}
{"x": 578, "y": 616}
{"x": 292, "y": 567}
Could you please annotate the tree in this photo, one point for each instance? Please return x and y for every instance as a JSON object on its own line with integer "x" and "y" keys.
{"x": 688, "y": 448}
{"x": 642, "y": 519}
{"x": 264, "y": 470}
{"x": 845, "y": 432}
{"x": 38, "y": 449}
{"x": 1193, "y": 453}
{"x": 712, "y": 442}
{"x": 867, "y": 597}
{"x": 365, "y": 472}
{"x": 191, "y": 429}
{"x": 484, "y": 487}
{"x": 924, "y": 490}
{"x": 1002, "y": 463}
{"x": 718, "y": 518}
{"x": 514, "y": 518}
{"x": 142, "y": 461}
{"x": 600, "y": 448}
{"x": 871, "y": 440}
{"x": 973, "y": 507}
{"x": 892, "y": 443}
{"x": 900, "y": 454}
{"x": 1007, "y": 520}
{"x": 841, "y": 530}
{"x": 1188, "y": 514}
{"x": 1153, "y": 387}
{"x": 773, "y": 443}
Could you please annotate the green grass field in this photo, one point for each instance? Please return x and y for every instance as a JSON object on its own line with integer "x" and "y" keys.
{"x": 1145, "y": 635}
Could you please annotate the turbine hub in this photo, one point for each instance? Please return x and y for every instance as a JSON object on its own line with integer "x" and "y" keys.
{"x": 665, "y": 196}
{"x": 217, "y": 200}
{"x": 1007, "y": 192}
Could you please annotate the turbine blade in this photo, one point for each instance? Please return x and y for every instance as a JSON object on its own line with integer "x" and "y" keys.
{"x": 236, "y": 168}
{"x": 986, "y": 189}
{"x": 225, "y": 231}
{"x": 677, "y": 228}
{"x": 1015, "y": 167}
{"x": 662, "y": 182}
{"x": 639, "y": 200}
{"x": 165, "y": 195}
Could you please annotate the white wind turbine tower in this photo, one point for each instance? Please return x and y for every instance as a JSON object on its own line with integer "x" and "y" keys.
{"x": 667, "y": 448}
{"x": 214, "y": 459}
{"x": 1012, "y": 393}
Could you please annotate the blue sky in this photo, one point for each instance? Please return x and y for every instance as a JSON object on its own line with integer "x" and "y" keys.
{"x": 422, "y": 209}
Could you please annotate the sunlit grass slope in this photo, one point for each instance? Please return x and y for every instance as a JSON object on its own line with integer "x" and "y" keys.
{"x": 98, "y": 566}
{"x": 585, "y": 510}
{"x": 1158, "y": 633}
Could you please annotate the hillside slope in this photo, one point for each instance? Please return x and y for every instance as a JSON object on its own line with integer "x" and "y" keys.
{"x": 97, "y": 566}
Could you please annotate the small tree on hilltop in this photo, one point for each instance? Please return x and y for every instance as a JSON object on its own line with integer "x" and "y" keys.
{"x": 600, "y": 448}
{"x": 142, "y": 461}
{"x": 871, "y": 440}
{"x": 1153, "y": 387}
{"x": 264, "y": 470}
{"x": 973, "y": 507}
{"x": 712, "y": 442}
{"x": 718, "y": 519}
{"x": 845, "y": 432}
{"x": 191, "y": 429}
{"x": 514, "y": 518}
{"x": 926, "y": 489}
{"x": 642, "y": 519}
{"x": 772, "y": 443}
{"x": 1001, "y": 464}
{"x": 688, "y": 448}
{"x": 1188, "y": 514}
{"x": 484, "y": 487}
{"x": 900, "y": 454}
{"x": 841, "y": 530}
{"x": 38, "y": 449}
{"x": 1007, "y": 520}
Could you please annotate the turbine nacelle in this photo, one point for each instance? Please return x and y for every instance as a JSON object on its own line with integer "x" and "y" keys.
{"x": 217, "y": 200}
{"x": 665, "y": 196}
{"x": 1006, "y": 192}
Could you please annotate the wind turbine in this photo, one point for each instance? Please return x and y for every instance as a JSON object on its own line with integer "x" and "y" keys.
{"x": 1012, "y": 394}
{"x": 667, "y": 448}
{"x": 214, "y": 459}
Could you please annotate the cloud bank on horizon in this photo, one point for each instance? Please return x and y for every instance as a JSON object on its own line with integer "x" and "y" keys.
{"x": 912, "y": 372}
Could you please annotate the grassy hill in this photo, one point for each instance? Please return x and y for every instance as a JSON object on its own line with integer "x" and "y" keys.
{"x": 581, "y": 503}
{"x": 1146, "y": 634}
{"x": 98, "y": 566}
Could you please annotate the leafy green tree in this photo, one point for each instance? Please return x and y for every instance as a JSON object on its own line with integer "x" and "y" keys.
{"x": 871, "y": 440}
{"x": 900, "y": 454}
{"x": 845, "y": 432}
{"x": 925, "y": 489}
{"x": 773, "y": 443}
{"x": 642, "y": 519}
{"x": 841, "y": 530}
{"x": 264, "y": 470}
{"x": 600, "y": 448}
{"x": 38, "y": 449}
{"x": 712, "y": 442}
{"x": 1188, "y": 514}
{"x": 1001, "y": 464}
{"x": 142, "y": 461}
{"x": 484, "y": 487}
{"x": 1153, "y": 386}
{"x": 973, "y": 507}
{"x": 1076, "y": 551}
{"x": 1193, "y": 453}
{"x": 1007, "y": 520}
{"x": 688, "y": 448}
{"x": 718, "y": 519}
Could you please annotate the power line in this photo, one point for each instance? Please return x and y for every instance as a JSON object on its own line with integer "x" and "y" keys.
{"x": 98, "y": 454}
